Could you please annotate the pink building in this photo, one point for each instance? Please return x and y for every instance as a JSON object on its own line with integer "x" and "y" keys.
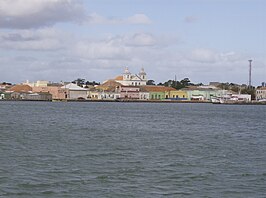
{"x": 128, "y": 92}
{"x": 57, "y": 92}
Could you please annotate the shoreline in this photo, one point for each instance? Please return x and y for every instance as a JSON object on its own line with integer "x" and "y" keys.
{"x": 143, "y": 101}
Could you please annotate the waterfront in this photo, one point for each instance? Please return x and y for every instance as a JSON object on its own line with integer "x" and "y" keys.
{"x": 131, "y": 150}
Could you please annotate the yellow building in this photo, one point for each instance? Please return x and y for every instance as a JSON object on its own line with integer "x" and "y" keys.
{"x": 177, "y": 95}
{"x": 93, "y": 95}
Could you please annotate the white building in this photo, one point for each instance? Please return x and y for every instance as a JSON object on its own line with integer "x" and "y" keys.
{"x": 261, "y": 94}
{"x": 38, "y": 83}
{"x": 129, "y": 79}
{"x": 75, "y": 92}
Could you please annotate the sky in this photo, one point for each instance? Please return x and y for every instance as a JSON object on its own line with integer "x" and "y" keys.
{"x": 203, "y": 40}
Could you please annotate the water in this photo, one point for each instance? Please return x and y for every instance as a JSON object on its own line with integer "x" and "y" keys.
{"x": 132, "y": 150}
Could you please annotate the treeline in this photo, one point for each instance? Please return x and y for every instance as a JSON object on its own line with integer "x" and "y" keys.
{"x": 175, "y": 84}
{"x": 5, "y": 83}
{"x": 83, "y": 83}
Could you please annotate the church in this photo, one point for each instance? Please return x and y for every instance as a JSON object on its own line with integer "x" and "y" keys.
{"x": 129, "y": 79}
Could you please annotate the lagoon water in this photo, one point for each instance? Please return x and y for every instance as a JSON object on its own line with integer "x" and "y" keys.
{"x": 132, "y": 150}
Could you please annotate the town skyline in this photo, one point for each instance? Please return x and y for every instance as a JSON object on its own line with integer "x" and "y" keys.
{"x": 202, "y": 40}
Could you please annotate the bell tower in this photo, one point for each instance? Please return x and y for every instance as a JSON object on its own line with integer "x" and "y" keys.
{"x": 142, "y": 74}
{"x": 126, "y": 74}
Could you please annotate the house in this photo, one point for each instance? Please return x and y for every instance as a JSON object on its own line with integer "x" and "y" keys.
{"x": 157, "y": 92}
{"x": 261, "y": 94}
{"x": 93, "y": 95}
{"x": 108, "y": 90}
{"x": 4, "y": 86}
{"x": 74, "y": 92}
{"x": 202, "y": 93}
{"x": 129, "y": 92}
{"x": 57, "y": 92}
{"x": 42, "y": 96}
{"x": 144, "y": 95}
{"x": 177, "y": 95}
{"x": 128, "y": 79}
{"x": 2, "y": 96}
{"x": 241, "y": 97}
{"x": 38, "y": 83}
{"x": 20, "y": 89}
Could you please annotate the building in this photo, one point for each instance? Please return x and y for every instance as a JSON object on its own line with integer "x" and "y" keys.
{"x": 261, "y": 94}
{"x": 129, "y": 92}
{"x": 144, "y": 95}
{"x": 42, "y": 96}
{"x": 57, "y": 92}
{"x": 93, "y": 95}
{"x": 20, "y": 89}
{"x": 241, "y": 97}
{"x": 203, "y": 93}
{"x": 38, "y": 83}
{"x": 74, "y": 92}
{"x": 177, "y": 95}
{"x": 107, "y": 91}
{"x": 128, "y": 79}
{"x": 157, "y": 92}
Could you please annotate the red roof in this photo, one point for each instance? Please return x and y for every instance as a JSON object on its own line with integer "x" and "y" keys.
{"x": 20, "y": 88}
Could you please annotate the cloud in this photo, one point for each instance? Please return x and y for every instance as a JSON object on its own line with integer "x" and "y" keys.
{"x": 101, "y": 59}
{"x": 138, "y": 19}
{"x": 120, "y": 47}
{"x": 41, "y": 40}
{"x": 203, "y": 55}
{"x": 22, "y": 14}
{"x": 191, "y": 19}
{"x": 141, "y": 39}
{"x": 95, "y": 18}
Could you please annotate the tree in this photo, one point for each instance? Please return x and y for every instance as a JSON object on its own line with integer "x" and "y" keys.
{"x": 92, "y": 83}
{"x": 185, "y": 82}
{"x": 80, "y": 82}
{"x": 251, "y": 91}
{"x": 150, "y": 82}
{"x": 177, "y": 84}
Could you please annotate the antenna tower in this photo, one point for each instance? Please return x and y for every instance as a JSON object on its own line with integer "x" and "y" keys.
{"x": 249, "y": 76}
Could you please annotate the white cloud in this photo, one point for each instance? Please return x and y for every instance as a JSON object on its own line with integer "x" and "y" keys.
{"x": 41, "y": 39}
{"x": 203, "y": 55}
{"x": 138, "y": 19}
{"x": 99, "y": 60}
{"x": 24, "y": 14}
{"x": 117, "y": 47}
{"x": 37, "y": 13}
{"x": 141, "y": 39}
{"x": 95, "y": 18}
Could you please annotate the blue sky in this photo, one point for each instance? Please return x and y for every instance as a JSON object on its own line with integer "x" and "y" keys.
{"x": 204, "y": 40}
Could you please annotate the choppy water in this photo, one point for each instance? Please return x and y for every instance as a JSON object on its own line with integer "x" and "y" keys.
{"x": 132, "y": 150}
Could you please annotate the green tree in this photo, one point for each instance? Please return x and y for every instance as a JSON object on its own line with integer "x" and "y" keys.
{"x": 80, "y": 82}
{"x": 150, "y": 82}
{"x": 251, "y": 91}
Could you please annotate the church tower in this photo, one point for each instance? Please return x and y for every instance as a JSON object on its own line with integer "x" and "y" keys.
{"x": 142, "y": 74}
{"x": 126, "y": 74}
